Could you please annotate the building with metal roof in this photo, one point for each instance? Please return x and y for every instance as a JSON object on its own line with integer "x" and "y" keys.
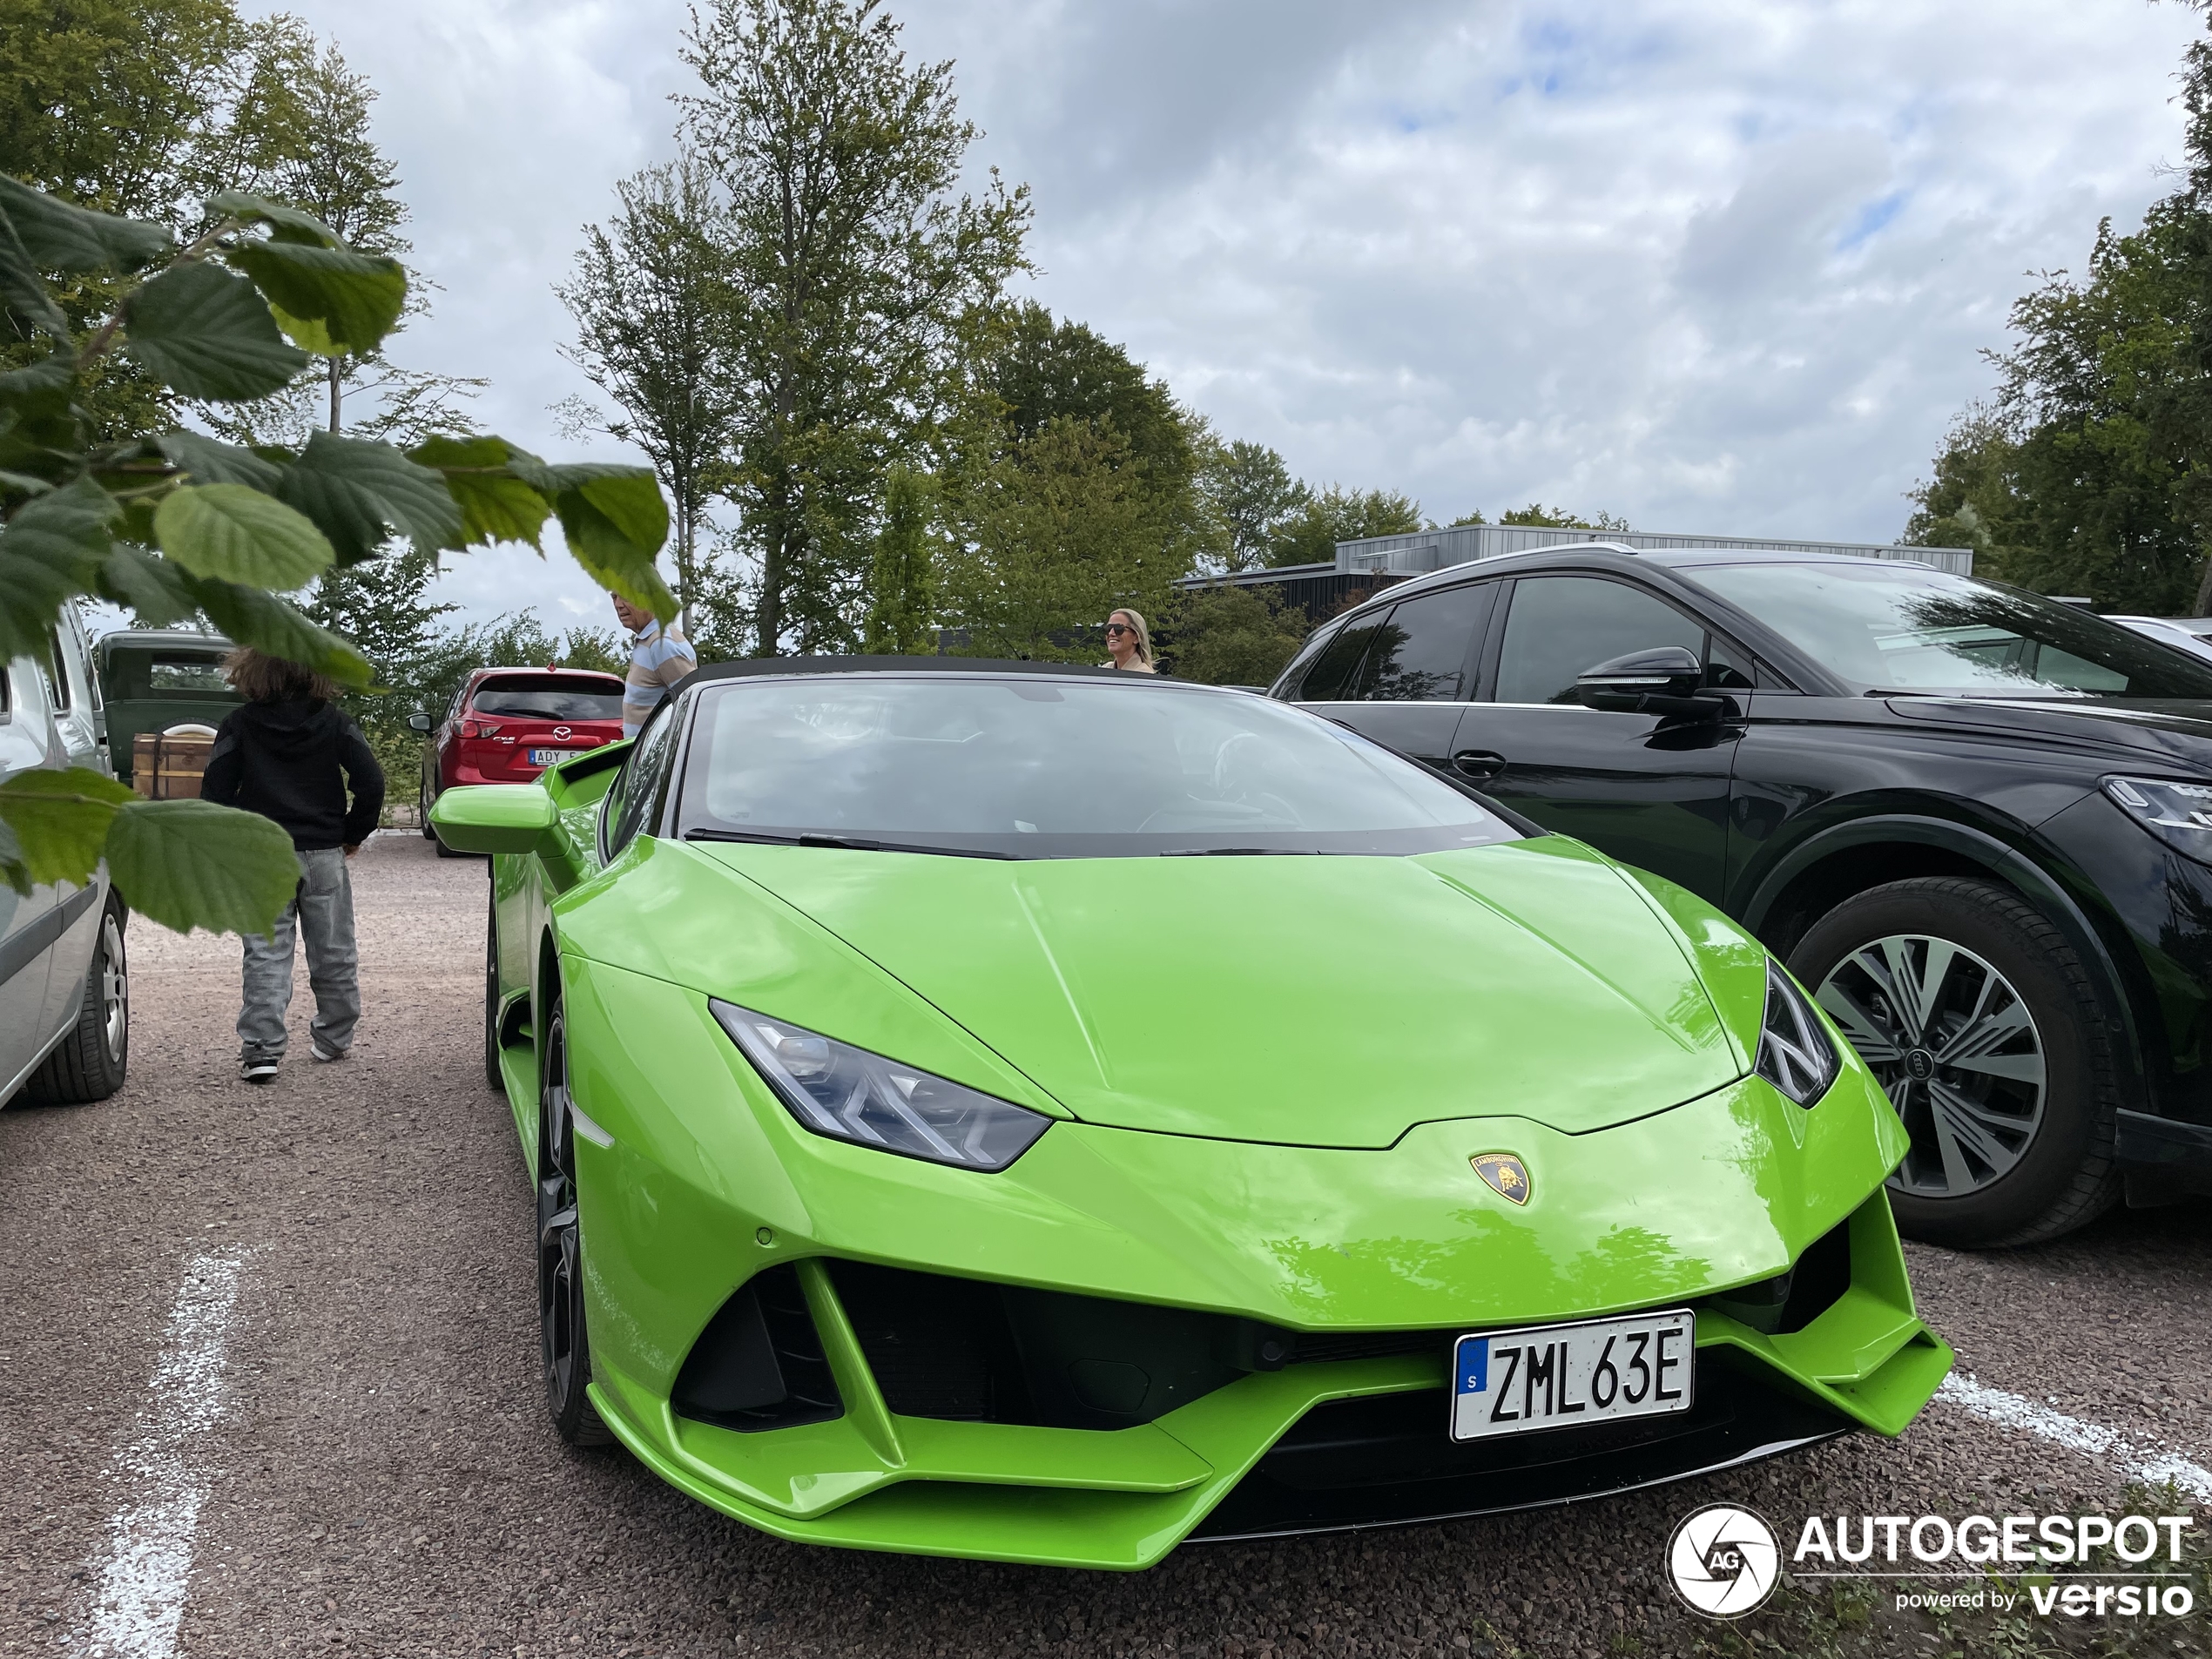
{"x": 1425, "y": 550}
{"x": 1360, "y": 567}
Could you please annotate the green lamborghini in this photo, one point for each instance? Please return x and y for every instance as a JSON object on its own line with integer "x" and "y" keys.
{"x": 1035, "y": 1113}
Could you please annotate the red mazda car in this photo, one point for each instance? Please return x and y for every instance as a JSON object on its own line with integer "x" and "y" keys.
{"x": 507, "y": 725}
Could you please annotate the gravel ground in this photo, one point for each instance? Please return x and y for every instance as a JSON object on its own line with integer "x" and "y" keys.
{"x": 381, "y": 1477}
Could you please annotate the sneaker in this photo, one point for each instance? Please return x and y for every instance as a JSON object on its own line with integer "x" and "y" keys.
{"x": 258, "y": 1072}
{"x": 324, "y": 1052}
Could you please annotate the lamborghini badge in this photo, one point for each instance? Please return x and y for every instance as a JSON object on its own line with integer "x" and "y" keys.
{"x": 1504, "y": 1174}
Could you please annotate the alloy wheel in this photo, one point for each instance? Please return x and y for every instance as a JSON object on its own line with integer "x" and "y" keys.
{"x": 115, "y": 987}
{"x": 1955, "y": 1048}
{"x": 560, "y": 1286}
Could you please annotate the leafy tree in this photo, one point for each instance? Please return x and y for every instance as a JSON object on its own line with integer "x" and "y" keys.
{"x": 902, "y": 591}
{"x": 1540, "y": 516}
{"x": 1056, "y": 533}
{"x": 2092, "y": 472}
{"x": 1252, "y": 496}
{"x": 1034, "y": 373}
{"x": 296, "y": 129}
{"x": 106, "y": 102}
{"x": 649, "y": 296}
{"x": 856, "y": 276}
{"x": 2083, "y": 476}
{"x": 380, "y": 605}
{"x": 1310, "y": 535}
{"x": 171, "y": 524}
{"x": 1974, "y": 500}
{"x": 1041, "y": 371}
{"x": 1230, "y": 636}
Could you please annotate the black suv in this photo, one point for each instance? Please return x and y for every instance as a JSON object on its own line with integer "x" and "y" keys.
{"x": 1978, "y": 822}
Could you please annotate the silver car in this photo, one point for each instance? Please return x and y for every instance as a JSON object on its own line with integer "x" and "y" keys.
{"x": 64, "y": 990}
{"x": 2191, "y": 634}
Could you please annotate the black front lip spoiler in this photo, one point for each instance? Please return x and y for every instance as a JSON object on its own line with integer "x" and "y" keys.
{"x": 1737, "y": 1420}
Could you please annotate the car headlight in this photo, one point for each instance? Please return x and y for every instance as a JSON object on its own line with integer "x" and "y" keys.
{"x": 1794, "y": 1053}
{"x": 851, "y": 1095}
{"x": 2179, "y": 814}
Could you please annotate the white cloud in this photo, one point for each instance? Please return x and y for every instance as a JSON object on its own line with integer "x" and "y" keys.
{"x": 1717, "y": 265}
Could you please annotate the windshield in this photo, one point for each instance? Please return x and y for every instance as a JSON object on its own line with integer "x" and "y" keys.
{"x": 522, "y": 696}
{"x": 1054, "y": 768}
{"x": 1891, "y": 628}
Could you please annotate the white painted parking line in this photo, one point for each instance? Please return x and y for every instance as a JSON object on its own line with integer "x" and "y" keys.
{"x": 150, "y": 1538}
{"x": 2153, "y": 1464}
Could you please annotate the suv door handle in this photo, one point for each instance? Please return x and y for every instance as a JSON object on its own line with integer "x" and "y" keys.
{"x": 1478, "y": 763}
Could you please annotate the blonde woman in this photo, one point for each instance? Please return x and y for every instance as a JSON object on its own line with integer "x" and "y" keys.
{"x": 1129, "y": 643}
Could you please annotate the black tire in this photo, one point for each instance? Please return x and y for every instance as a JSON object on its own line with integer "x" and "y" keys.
{"x": 564, "y": 1344}
{"x": 1995, "y": 1051}
{"x": 96, "y": 1055}
{"x": 422, "y": 810}
{"x": 492, "y": 1073}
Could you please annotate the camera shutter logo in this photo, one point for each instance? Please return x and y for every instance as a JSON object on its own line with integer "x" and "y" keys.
{"x": 1724, "y": 1561}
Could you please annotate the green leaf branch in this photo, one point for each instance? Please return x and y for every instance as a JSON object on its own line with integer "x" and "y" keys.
{"x": 169, "y": 524}
{"x": 185, "y": 864}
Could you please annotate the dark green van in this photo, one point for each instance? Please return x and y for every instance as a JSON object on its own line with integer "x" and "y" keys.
{"x": 153, "y": 678}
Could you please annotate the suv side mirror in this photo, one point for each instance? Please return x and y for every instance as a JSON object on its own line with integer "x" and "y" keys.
{"x": 1663, "y": 680}
{"x": 418, "y": 721}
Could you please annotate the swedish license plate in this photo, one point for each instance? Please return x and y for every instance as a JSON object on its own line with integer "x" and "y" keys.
{"x": 552, "y": 757}
{"x": 1563, "y": 1376}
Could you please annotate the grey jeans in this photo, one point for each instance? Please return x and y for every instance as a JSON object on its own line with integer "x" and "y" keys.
{"x": 321, "y": 912}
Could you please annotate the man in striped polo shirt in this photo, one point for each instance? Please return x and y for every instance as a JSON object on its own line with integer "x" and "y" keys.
{"x": 658, "y": 658}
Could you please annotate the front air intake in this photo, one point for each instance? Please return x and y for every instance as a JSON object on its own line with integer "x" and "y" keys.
{"x": 759, "y": 1365}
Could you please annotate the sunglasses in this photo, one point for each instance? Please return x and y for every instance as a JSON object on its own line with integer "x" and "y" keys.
{"x": 1119, "y": 628}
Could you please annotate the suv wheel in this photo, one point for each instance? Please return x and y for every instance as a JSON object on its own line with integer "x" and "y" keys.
{"x": 1981, "y": 1024}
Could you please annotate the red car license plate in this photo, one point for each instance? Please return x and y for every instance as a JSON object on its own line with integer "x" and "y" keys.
{"x": 552, "y": 757}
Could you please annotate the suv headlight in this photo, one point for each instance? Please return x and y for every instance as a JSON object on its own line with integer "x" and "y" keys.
{"x": 1795, "y": 1054}
{"x": 848, "y": 1094}
{"x": 2180, "y": 814}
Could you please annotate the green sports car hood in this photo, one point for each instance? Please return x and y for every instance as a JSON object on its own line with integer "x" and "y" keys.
{"x": 1328, "y": 1001}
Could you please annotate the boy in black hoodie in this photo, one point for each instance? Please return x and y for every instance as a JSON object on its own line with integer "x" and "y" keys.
{"x": 281, "y": 755}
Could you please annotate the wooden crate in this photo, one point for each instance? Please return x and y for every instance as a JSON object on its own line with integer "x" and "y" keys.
{"x": 168, "y": 765}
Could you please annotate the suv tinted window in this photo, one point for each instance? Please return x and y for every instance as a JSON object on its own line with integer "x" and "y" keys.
{"x": 1560, "y": 625}
{"x": 548, "y": 696}
{"x": 1903, "y": 627}
{"x": 1423, "y": 652}
{"x": 1727, "y": 669}
{"x": 1335, "y": 671}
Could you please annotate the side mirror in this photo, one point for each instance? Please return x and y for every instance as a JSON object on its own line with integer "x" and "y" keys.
{"x": 1663, "y": 680}
{"x": 418, "y": 721}
{"x": 494, "y": 818}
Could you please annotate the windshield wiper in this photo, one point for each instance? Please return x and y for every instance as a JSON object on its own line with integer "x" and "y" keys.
{"x": 854, "y": 843}
{"x": 1239, "y": 852}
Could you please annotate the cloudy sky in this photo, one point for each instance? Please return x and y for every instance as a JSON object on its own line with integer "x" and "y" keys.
{"x": 1719, "y": 266}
